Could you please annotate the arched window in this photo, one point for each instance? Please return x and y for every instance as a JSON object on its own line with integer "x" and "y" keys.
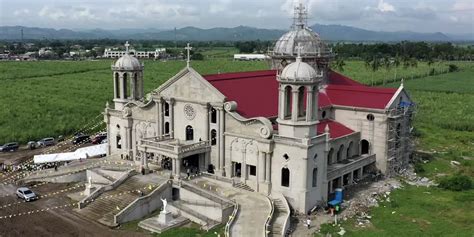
{"x": 323, "y": 114}
{"x": 119, "y": 141}
{"x": 167, "y": 109}
{"x": 189, "y": 133}
{"x": 340, "y": 153}
{"x": 213, "y": 115}
{"x": 117, "y": 85}
{"x": 167, "y": 128}
{"x": 370, "y": 117}
{"x": 287, "y": 102}
{"x": 301, "y": 101}
{"x": 285, "y": 177}
{"x": 126, "y": 87}
{"x": 330, "y": 154}
{"x": 349, "y": 150}
{"x": 213, "y": 137}
{"x": 135, "y": 86}
{"x": 315, "y": 177}
{"x": 364, "y": 147}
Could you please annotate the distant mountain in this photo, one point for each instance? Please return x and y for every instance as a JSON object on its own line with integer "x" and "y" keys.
{"x": 347, "y": 33}
{"x": 240, "y": 33}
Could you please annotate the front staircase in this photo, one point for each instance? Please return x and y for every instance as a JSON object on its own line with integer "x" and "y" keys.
{"x": 107, "y": 205}
{"x": 243, "y": 186}
{"x": 279, "y": 217}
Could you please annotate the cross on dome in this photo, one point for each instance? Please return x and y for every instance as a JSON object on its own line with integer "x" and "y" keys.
{"x": 188, "y": 49}
{"x": 298, "y": 50}
{"x": 126, "y": 47}
{"x": 300, "y": 15}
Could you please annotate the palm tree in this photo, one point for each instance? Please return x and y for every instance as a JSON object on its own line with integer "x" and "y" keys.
{"x": 340, "y": 64}
{"x": 397, "y": 61}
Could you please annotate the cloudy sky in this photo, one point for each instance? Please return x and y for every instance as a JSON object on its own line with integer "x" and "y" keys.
{"x": 449, "y": 16}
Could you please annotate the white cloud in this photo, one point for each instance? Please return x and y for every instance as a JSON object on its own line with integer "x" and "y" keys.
{"x": 385, "y": 6}
{"x": 52, "y": 13}
{"x": 463, "y": 5}
{"x": 21, "y": 12}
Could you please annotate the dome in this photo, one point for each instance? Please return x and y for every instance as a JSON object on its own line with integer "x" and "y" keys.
{"x": 299, "y": 71}
{"x": 128, "y": 63}
{"x": 311, "y": 43}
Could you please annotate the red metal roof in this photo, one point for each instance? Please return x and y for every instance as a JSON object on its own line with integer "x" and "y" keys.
{"x": 336, "y": 129}
{"x": 256, "y": 93}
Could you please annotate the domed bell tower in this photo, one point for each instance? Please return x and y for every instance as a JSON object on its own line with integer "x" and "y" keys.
{"x": 298, "y": 99}
{"x": 128, "y": 79}
{"x": 314, "y": 51}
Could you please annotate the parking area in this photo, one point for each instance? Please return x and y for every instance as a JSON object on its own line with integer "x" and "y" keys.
{"x": 49, "y": 216}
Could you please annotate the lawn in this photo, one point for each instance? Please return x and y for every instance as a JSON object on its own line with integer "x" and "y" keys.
{"x": 418, "y": 211}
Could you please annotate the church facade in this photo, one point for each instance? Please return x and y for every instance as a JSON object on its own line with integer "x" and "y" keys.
{"x": 299, "y": 129}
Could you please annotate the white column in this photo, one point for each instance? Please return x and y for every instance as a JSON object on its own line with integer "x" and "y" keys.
{"x": 268, "y": 168}
{"x": 122, "y": 91}
{"x": 207, "y": 121}
{"x": 281, "y": 103}
{"x": 178, "y": 167}
{"x": 309, "y": 104}
{"x": 294, "y": 106}
{"x": 261, "y": 166}
{"x": 159, "y": 117}
{"x": 171, "y": 105}
{"x": 315, "y": 103}
{"x": 221, "y": 140}
{"x": 173, "y": 166}
{"x": 243, "y": 170}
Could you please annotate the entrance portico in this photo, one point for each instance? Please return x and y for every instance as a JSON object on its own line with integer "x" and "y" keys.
{"x": 183, "y": 154}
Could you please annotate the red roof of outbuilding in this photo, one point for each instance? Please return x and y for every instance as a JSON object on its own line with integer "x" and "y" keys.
{"x": 336, "y": 129}
{"x": 256, "y": 93}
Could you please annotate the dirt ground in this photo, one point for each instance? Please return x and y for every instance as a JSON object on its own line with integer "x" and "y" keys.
{"x": 57, "y": 222}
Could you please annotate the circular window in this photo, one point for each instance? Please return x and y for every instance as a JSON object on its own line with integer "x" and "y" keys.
{"x": 370, "y": 117}
{"x": 189, "y": 112}
{"x": 323, "y": 114}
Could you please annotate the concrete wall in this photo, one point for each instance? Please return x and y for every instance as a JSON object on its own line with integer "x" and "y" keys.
{"x": 212, "y": 212}
{"x": 143, "y": 206}
{"x": 300, "y": 194}
{"x": 375, "y": 132}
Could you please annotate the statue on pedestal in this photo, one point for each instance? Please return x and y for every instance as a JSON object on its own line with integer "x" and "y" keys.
{"x": 165, "y": 203}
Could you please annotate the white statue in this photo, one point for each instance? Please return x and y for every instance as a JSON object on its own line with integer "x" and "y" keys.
{"x": 165, "y": 203}
{"x": 90, "y": 181}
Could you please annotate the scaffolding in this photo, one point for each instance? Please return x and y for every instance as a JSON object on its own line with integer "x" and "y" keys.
{"x": 400, "y": 143}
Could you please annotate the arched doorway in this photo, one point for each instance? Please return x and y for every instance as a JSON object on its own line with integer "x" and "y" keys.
{"x": 330, "y": 154}
{"x": 285, "y": 177}
{"x": 364, "y": 147}
{"x": 340, "y": 153}
{"x": 189, "y": 133}
{"x": 167, "y": 128}
{"x": 349, "y": 150}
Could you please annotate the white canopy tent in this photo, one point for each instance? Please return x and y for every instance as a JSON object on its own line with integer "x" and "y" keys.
{"x": 81, "y": 153}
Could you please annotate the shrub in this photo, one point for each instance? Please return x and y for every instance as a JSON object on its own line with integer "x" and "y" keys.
{"x": 456, "y": 182}
{"x": 453, "y": 68}
{"x": 419, "y": 168}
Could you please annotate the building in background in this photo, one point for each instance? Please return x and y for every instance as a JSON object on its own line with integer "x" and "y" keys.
{"x": 114, "y": 53}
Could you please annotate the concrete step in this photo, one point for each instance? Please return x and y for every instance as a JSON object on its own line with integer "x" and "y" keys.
{"x": 206, "y": 222}
{"x": 244, "y": 187}
{"x": 110, "y": 203}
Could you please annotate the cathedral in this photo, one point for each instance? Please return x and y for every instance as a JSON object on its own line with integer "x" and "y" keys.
{"x": 299, "y": 128}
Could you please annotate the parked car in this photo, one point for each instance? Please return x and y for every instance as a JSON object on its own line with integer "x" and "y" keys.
{"x": 46, "y": 142}
{"x": 99, "y": 138}
{"x": 26, "y": 194}
{"x": 81, "y": 139}
{"x": 12, "y": 146}
{"x": 104, "y": 141}
{"x": 32, "y": 145}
